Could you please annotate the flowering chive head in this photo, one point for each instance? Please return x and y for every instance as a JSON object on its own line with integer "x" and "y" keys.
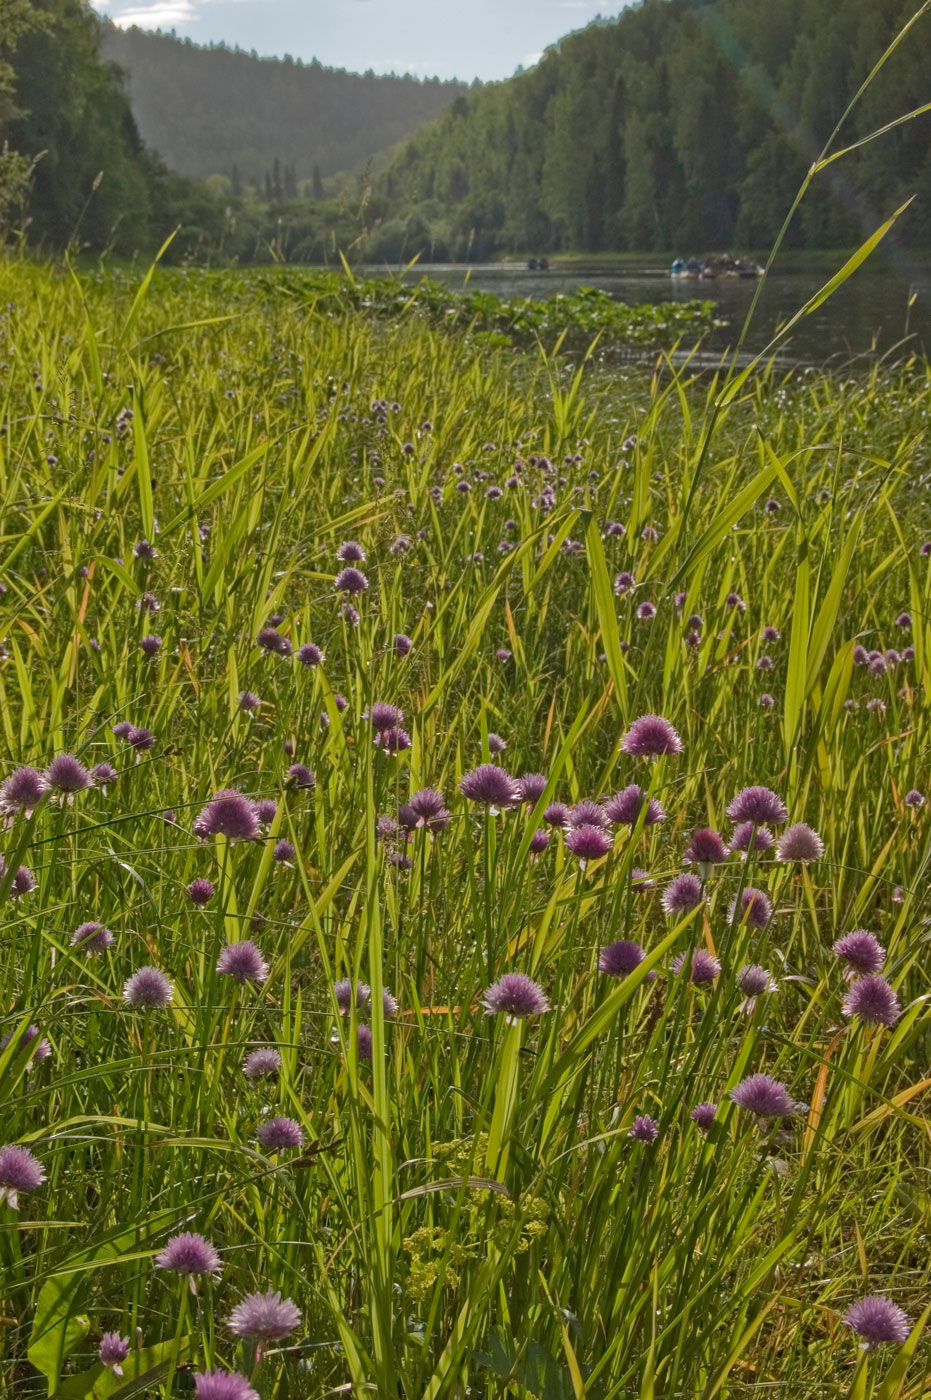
{"x": 557, "y": 814}
{"x": 228, "y": 814}
{"x": 92, "y": 938}
{"x": 755, "y": 908}
{"x": 904, "y": 620}
{"x": 402, "y": 644}
{"x": 588, "y": 813}
{"x": 496, "y": 744}
{"x": 364, "y": 1042}
{"x": 261, "y": 1064}
{"x": 67, "y": 774}
{"x": 384, "y": 716}
{"x": 188, "y": 1254}
{"x": 914, "y": 798}
{"x": 758, "y": 805}
{"x": 393, "y": 740}
{"x": 151, "y": 644}
{"x": 703, "y": 1115}
{"x": 877, "y": 1319}
{"x": 300, "y": 777}
{"x": 650, "y": 736}
{"x": 799, "y": 843}
{"x": 861, "y": 951}
{"x": 113, "y": 1351}
{"x": 200, "y": 892}
{"x": 515, "y": 996}
{"x": 764, "y": 1096}
{"x": 350, "y": 552}
{"x": 223, "y": 1385}
{"x": 682, "y": 895}
{"x": 22, "y": 791}
{"x": 748, "y": 837}
{"x": 646, "y": 611}
{"x": 20, "y": 1171}
{"x": 532, "y": 787}
{"x": 539, "y": 842}
{"x": 490, "y": 785}
{"x": 267, "y": 1316}
{"x": 309, "y": 655}
{"x": 623, "y": 583}
{"x": 102, "y": 775}
{"x": 283, "y": 852}
{"x": 148, "y": 988}
{"x": 248, "y": 700}
{"x": 140, "y": 739}
{"x": 624, "y": 807}
{"x": 702, "y": 966}
{"x": 588, "y": 842}
{"x": 644, "y": 1129}
{"x": 429, "y": 810}
{"x": 42, "y": 1050}
{"x": 350, "y": 581}
{"x": 706, "y": 849}
{"x": 271, "y": 640}
{"x": 754, "y": 980}
{"x": 621, "y": 958}
{"x": 872, "y": 1000}
{"x": 278, "y": 1133}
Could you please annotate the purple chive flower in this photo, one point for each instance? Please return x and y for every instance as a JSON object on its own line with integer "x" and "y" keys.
{"x": 490, "y": 785}
{"x": 200, "y": 892}
{"x": 384, "y": 716}
{"x": 861, "y": 951}
{"x": 22, "y": 792}
{"x": 113, "y": 1351}
{"x": 703, "y": 966}
{"x": 300, "y": 777}
{"x": 766, "y": 701}
{"x": 770, "y": 634}
{"x": 393, "y": 740}
{"x": 385, "y": 828}
{"x": 925, "y": 549}
{"x": 734, "y": 600}
{"x": 248, "y": 700}
{"x": 280, "y": 1133}
{"x": 350, "y": 581}
{"x": 262, "y": 1063}
{"x": 271, "y": 640}
{"x": 588, "y": 813}
{"x": 620, "y": 959}
{"x": 266, "y": 1316}
{"x": 228, "y": 814}
{"x": 67, "y": 775}
{"x": 755, "y": 908}
{"x": 799, "y": 843}
{"x": 309, "y": 655}
{"x": 624, "y": 808}
{"x": 502, "y": 655}
{"x": 646, "y": 611}
{"x": 364, "y": 1042}
{"x": 24, "y": 882}
{"x": 904, "y": 620}
{"x": 588, "y": 842}
{"x": 102, "y": 775}
{"x": 557, "y": 814}
{"x": 223, "y": 1385}
{"x": 429, "y": 810}
{"x": 140, "y": 739}
{"x": 190, "y": 1255}
{"x": 749, "y": 837}
{"x": 92, "y": 938}
{"x": 350, "y": 552}
{"x": 872, "y": 1000}
{"x": 243, "y": 962}
{"x": 623, "y": 583}
{"x": 402, "y": 644}
{"x": 649, "y": 736}
{"x": 342, "y": 991}
{"x": 349, "y": 615}
{"x": 644, "y": 1129}
{"x": 877, "y": 1319}
{"x": 19, "y": 1171}
{"x": 640, "y": 879}
{"x": 757, "y": 805}
{"x": 496, "y": 744}
{"x": 913, "y": 798}
{"x": 764, "y": 1096}
{"x": 705, "y": 850}
{"x": 532, "y": 787}
{"x": 266, "y": 809}
{"x": 148, "y": 988}
{"x": 703, "y": 1115}
{"x": 539, "y": 842}
{"x": 682, "y": 894}
{"x": 143, "y": 550}
{"x": 42, "y": 1050}
{"x": 861, "y": 656}
{"x": 283, "y": 852}
{"x": 150, "y": 644}
{"x": 754, "y": 982}
{"x": 515, "y": 996}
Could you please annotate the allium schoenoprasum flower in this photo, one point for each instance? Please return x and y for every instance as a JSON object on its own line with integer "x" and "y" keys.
{"x": 20, "y": 1172}
{"x": 872, "y": 1000}
{"x": 223, "y": 1385}
{"x": 490, "y": 785}
{"x": 102, "y": 775}
{"x": 557, "y": 814}
{"x": 758, "y": 805}
{"x": 747, "y": 837}
{"x": 706, "y": 849}
{"x": 428, "y": 809}
{"x": 515, "y": 996}
{"x": 263, "y": 1063}
{"x": 113, "y": 1351}
{"x": 92, "y": 938}
{"x": 189, "y": 1255}
{"x": 278, "y": 1134}
{"x": 588, "y": 842}
{"x": 402, "y": 645}
{"x": 588, "y": 813}
{"x": 914, "y": 798}
{"x": 496, "y": 744}
{"x": 271, "y": 640}
{"x": 651, "y": 736}
{"x": 140, "y": 739}
{"x": 200, "y": 892}
{"x": 266, "y": 809}
{"x": 539, "y": 842}
{"x": 532, "y": 787}
{"x": 67, "y": 775}
{"x": 24, "y": 882}
{"x": 384, "y": 715}
{"x": 243, "y": 962}
{"x": 799, "y": 843}
{"x": 41, "y": 1049}
{"x": 621, "y": 958}
{"x": 861, "y": 952}
{"x": 148, "y": 988}
{"x": 703, "y": 1116}
{"x": 283, "y": 852}
{"x": 702, "y": 966}
{"x": 342, "y": 991}
{"x": 228, "y": 814}
{"x": 22, "y": 792}
{"x": 265, "y": 1316}
{"x": 644, "y": 1129}
{"x": 309, "y": 655}
{"x": 248, "y": 701}
{"x": 393, "y": 740}
{"x": 364, "y": 1042}
{"x": 682, "y": 894}
{"x": 151, "y": 644}
{"x": 763, "y": 1096}
{"x": 350, "y": 581}
{"x": 755, "y": 908}
{"x": 350, "y": 552}
{"x": 877, "y": 1319}
{"x": 625, "y": 807}
{"x": 300, "y": 777}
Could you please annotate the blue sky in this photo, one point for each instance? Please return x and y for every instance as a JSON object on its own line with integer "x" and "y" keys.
{"x": 450, "y": 38}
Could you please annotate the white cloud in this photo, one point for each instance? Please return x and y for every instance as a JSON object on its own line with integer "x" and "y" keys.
{"x": 533, "y": 58}
{"x": 160, "y": 14}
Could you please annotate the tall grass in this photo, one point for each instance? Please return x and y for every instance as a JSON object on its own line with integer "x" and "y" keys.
{"x": 468, "y": 1214}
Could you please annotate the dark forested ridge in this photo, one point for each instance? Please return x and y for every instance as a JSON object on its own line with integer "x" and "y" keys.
{"x": 218, "y": 110}
{"x": 683, "y": 124}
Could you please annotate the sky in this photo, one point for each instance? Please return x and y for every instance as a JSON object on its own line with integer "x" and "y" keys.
{"x": 467, "y": 39}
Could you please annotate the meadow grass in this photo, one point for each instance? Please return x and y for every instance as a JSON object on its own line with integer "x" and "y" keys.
{"x": 467, "y": 1213}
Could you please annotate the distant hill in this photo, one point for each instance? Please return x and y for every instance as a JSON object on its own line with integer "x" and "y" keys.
{"x": 682, "y": 124}
{"x": 215, "y": 110}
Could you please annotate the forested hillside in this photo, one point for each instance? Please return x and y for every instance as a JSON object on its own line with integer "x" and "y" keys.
{"x": 684, "y": 124}
{"x": 217, "y": 110}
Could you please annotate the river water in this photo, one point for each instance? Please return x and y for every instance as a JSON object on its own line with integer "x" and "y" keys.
{"x": 884, "y": 308}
